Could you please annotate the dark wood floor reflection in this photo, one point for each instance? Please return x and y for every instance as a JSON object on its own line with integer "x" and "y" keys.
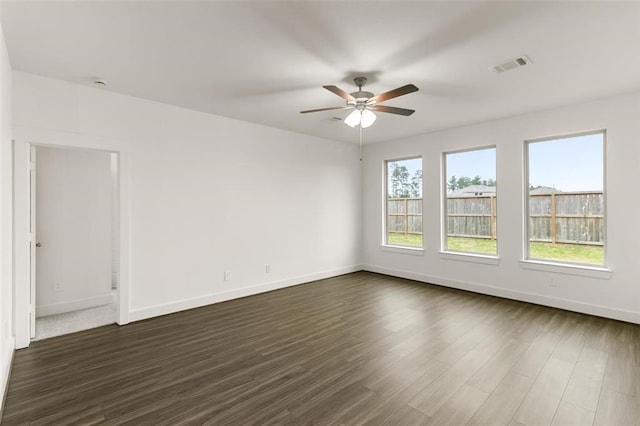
{"x": 360, "y": 348}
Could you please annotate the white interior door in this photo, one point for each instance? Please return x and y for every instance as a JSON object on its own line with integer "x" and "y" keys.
{"x": 73, "y": 223}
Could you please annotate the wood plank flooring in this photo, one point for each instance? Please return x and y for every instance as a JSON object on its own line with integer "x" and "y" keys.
{"x": 361, "y": 348}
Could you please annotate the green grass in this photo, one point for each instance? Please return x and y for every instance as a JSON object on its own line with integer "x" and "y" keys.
{"x": 578, "y": 253}
{"x": 473, "y": 245}
{"x": 399, "y": 239}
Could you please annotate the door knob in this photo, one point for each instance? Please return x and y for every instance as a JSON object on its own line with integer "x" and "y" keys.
{"x": 38, "y": 244}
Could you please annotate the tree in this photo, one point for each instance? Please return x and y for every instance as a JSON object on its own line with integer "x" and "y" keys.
{"x": 477, "y": 180}
{"x": 463, "y": 182}
{"x": 399, "y": 180}
{"x": 452, "y": 185}
{"x": 416, "y": 184}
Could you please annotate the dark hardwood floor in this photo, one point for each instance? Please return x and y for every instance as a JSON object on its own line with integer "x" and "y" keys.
{"x": 360, "y": 348}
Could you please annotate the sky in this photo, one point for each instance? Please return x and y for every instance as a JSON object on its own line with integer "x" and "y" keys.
{"x": 568, "y": 164}
{"x": 480, "y": 162}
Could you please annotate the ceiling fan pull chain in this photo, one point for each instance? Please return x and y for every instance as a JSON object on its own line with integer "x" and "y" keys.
{"x": 360, "y": 143}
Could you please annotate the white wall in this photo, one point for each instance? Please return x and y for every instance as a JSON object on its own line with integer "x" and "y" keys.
{"x": 206, "y": 194}
{"x": 6, "y": 208}
{"x": 615, "y": 295}
{"x": 73, "y": 214}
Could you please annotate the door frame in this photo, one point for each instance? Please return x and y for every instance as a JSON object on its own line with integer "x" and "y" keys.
{"x": 33, "y": 238}
{"x": 24, "y": 214}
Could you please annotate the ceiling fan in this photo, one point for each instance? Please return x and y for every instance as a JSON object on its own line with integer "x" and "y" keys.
{"x": 364, "y": 103}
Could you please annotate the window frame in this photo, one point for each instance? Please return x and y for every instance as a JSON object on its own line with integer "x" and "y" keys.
{"x": 444, "y": 232}
{"x": 554, "y": 265}
{"x": 385, "y": 208}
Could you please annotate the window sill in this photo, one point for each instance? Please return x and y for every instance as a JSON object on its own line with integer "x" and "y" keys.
{"x": 415, "y": 251}
{"x": 470, "y": 257}
{"x": 568, "y": 269}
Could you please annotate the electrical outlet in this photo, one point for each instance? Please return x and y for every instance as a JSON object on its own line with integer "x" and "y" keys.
{"x": 267, "y": 269}
{"x": 227, "y": 275}
{"x": 57, "y": 287}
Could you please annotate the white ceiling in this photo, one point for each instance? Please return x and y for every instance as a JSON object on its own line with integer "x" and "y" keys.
{"x": 263, "y": 61}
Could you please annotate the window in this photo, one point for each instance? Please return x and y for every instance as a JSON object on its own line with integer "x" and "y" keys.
{"x": 565, "y": 206}
{"x": 404, "y": 202}
{"x": 470, "y": 201}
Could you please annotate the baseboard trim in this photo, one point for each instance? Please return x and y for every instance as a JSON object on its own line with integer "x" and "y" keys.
{"x": 74, "y": 305}
{"x": 169, "y": 308}
{"x": 569, "y": 305}
{"x": 6, "y": 373}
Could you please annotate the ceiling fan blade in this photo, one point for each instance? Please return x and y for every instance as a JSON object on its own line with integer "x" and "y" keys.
{"x": 338, "y": 91}
{"x": 392, "y": 110}
{"x": 404, "y": 90}
{"x": 323, "y": 109}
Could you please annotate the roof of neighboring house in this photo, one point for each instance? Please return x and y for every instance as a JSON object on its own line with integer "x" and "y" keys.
{"x": 473, "y": 191}
{"x": 543, "y": 190}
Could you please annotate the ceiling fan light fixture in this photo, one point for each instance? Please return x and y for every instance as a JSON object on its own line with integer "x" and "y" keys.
{"x": 354, "y": 118}
{"x": 367, "y": 119}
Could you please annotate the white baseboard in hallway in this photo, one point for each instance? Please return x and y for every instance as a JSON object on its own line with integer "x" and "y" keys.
{"x": 70, "y": 322}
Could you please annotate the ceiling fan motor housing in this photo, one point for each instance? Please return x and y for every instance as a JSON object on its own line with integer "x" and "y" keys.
{"x": 361, "y": 96}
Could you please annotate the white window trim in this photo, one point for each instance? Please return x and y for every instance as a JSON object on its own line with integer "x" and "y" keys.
{"x": 417, "y": 251}
{"x": 491, "y": 259}
{"x": 466, "y": 256}
{"x": 567, "y": 268}
{"x": 552, "y": 265}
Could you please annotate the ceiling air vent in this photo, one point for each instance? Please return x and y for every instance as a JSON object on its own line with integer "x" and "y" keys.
{"x": 512, "y": 64}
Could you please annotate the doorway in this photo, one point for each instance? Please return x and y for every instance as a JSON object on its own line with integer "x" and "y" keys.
{"x": 74, "y": 250}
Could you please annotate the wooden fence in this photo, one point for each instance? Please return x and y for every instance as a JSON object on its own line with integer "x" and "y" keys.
{"x": 473, "y": 217}
{"x": 404, "y": 215}
{"x": 564, "y": 217}
{"x": 567, "y": 217}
